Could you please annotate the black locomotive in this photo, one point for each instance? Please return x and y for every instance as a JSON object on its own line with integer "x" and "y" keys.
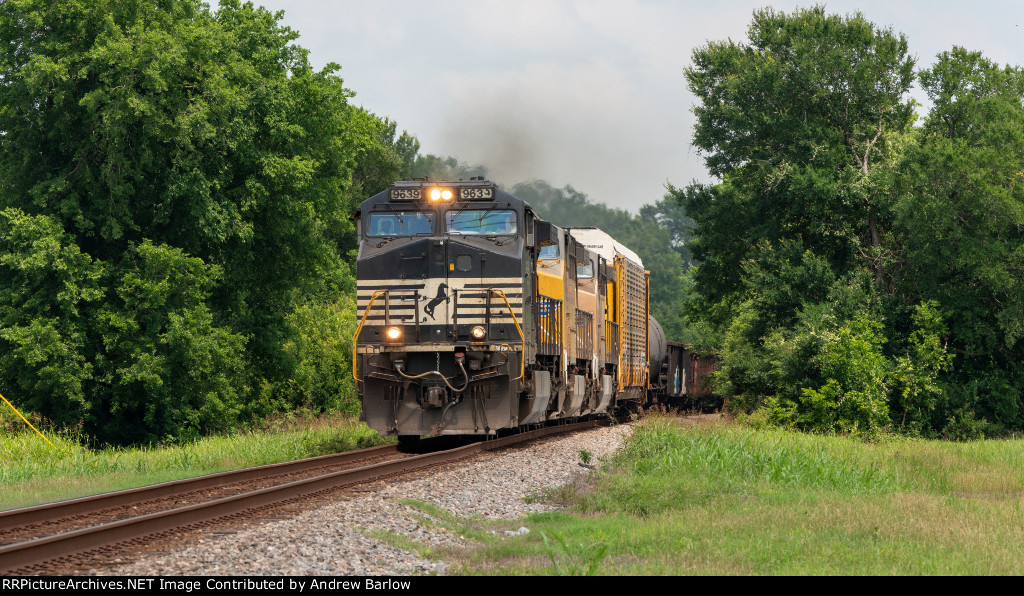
{"x": 475, "y": 315}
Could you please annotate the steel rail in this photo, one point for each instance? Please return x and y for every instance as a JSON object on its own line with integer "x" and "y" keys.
{"x": 91, "y": 504}
{"x": 33, "y": 552}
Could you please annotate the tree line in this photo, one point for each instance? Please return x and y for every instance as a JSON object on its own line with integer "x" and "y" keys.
{"x": 175, "y": 187}
{"x": 860, "y": 267}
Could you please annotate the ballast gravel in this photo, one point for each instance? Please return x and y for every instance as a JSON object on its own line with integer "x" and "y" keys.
{"x": 337, "y": 539}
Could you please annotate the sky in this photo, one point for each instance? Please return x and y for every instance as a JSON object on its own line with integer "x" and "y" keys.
{"x": 587, "y": 93}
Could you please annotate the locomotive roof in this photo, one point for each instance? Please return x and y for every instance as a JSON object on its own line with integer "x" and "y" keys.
{"x": 594, "y": 239}
{"x": 600, "y": 242}
{"x": 479, "y": 191}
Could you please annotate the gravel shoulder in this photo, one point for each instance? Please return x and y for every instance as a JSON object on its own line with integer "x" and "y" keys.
{"x": 333, "y": 540}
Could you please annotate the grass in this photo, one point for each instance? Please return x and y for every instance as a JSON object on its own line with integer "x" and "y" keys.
{"x": 680, "y": 498}
{"x": 33, "y": 472}
{"x": 720, "y": 498}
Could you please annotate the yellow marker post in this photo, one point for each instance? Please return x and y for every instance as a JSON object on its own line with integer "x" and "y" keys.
{"x": 26, "y": 421}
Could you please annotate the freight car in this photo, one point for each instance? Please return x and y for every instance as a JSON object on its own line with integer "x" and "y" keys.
{"x": 477, "y": 316}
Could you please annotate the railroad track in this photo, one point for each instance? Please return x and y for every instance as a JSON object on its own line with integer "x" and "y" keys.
{"x": 68, "y": 534}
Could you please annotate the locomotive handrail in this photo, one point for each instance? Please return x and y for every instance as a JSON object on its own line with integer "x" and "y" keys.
{"x": 584, "y": 334}
{"x": 549, "y": 324}
{"x": 512, "y": 313}
{"x": 355, "y": 338}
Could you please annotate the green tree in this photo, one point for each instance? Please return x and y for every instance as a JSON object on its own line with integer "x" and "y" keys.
{"x": 916, "y": 374}
{"x": 960, "y": 213}
{"x": 162, "y": 121}
{"x": 382, "y": 159}
{"x": 322, "y": 348}
{"x": 162, "y": 364}
{"x": 795, "y": 122}
{"x": 49, "y": 289}
{"x": 166, "y": 139}
{"x": 434, "y": 167}
{"x": 854, "y": 397}
{"x": 915, "y": 235}
{"x": 805, "y": 246}
{"x": 669, "y": 213}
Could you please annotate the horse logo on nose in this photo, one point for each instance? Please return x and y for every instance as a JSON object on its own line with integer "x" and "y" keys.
{"x": 442, "y": 296}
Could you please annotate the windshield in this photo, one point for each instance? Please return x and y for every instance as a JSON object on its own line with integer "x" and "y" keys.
{"x": 401, "y": 223}
{"x": 495, "y": 221}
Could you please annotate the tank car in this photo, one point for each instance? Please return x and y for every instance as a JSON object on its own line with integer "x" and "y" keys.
{"x": 476, "y": 316}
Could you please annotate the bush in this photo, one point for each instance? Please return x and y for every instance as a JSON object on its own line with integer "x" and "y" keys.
{"x": 915, "y": 376}
{"x": 130, "y": 350}
{"x": 48, "y": 288}
{"x": 168, "y": 372}
{"x": 322, "y": 349}
{"x": 851, "y": 393}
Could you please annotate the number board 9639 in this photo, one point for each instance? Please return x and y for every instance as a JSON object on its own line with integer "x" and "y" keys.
{"x": 476, "y": 193}
{"x": 405, "y": 194}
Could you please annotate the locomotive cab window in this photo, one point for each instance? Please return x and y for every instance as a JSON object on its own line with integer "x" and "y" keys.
{"x": 476, "y": 221}
{"x": 585, "y": 270}
{"x": 549, "y": 252}
{"x": 402, "y": 223}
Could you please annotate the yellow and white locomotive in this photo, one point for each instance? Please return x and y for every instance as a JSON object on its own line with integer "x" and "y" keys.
{"x": 476, "y": 316}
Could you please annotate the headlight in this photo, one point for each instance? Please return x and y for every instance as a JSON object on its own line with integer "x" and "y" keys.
{"x": 478, "y": 332}
{"x": 394, "y": 333}
{"x": 441, "y": 194}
